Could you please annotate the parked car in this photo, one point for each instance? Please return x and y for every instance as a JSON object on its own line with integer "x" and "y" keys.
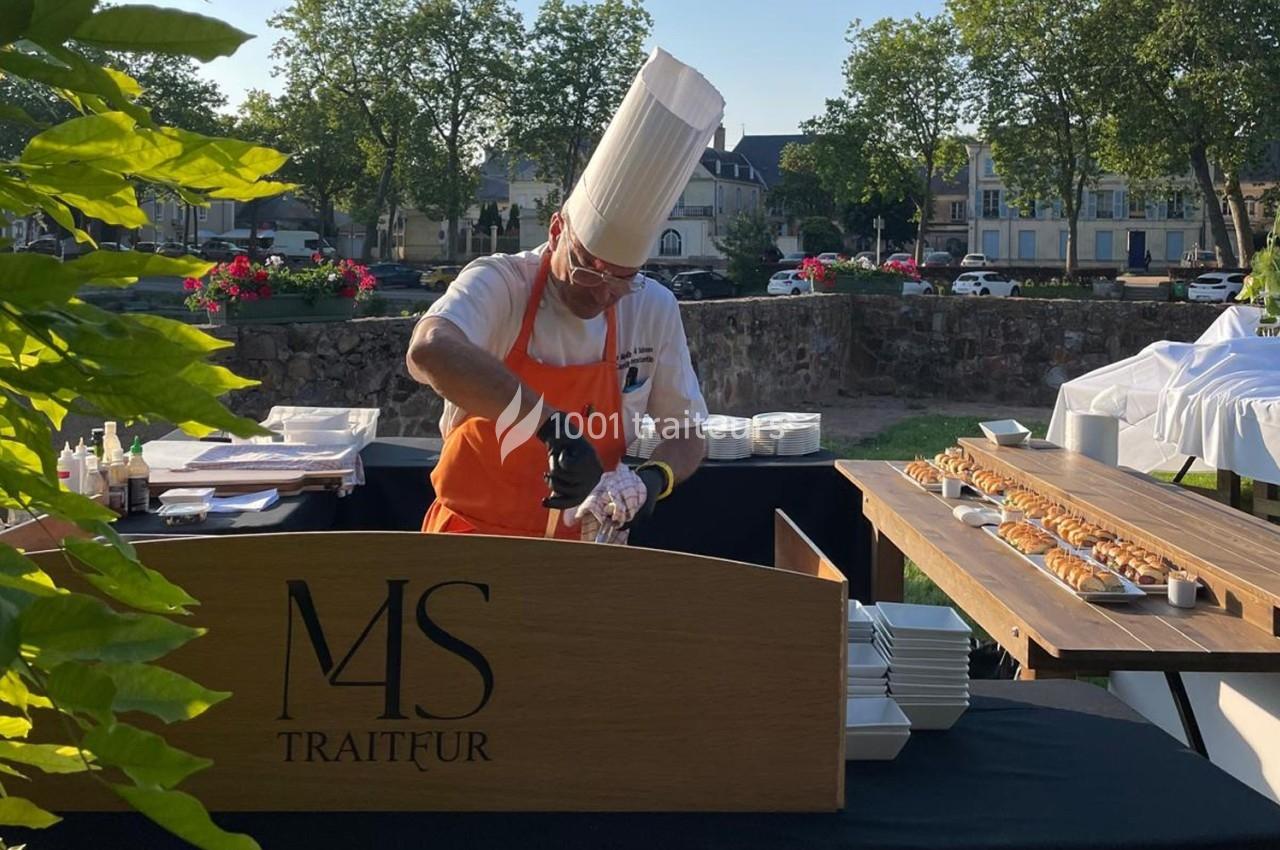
{"x": 770, "y": 255}
{"x": 219, "y": 250}
{"x": 865, "y": 259}
{"x": 985, "y": 283}
{"x": 974, "y": 261}
{"x": 112, "y": 246}
{"x": 703, "y": 284}
{"x": 794, "y": 258}
{"x": 900, "y": 257}
{"x": 171, "y": 249}
{"x": 788, "y": 283}
{"x": 1199, "y": 260}
{"x": 440, "y": 277}
{"x": 44, "y": 245}
{"x": 395, "y": 274}
{"x": 917, "y": 287}
{"x": 1216, "y": 286}
{"x": 661, "y": 275}
{"x": 937, "y": 259}
{"x": 830, "y": 257}
{"x": 145, "y": 247}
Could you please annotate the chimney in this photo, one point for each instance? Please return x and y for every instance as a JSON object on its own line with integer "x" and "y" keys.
{"x": 719, "y": 141}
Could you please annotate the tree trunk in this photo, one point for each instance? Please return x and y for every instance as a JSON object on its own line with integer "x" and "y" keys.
{"x": 1240, "y": 218}
{"x": 925, "y": 209}
{"x": 1073, "y": 204}
{"x": 1217, "y": 225}
{"x": 253, "y": 230}
{"x": 380, "y": 198}
{"x": 385, "y": 252}
{"x": 452, "y": 201}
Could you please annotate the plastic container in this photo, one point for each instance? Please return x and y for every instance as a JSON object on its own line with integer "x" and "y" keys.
{"x": 183, "y": 514}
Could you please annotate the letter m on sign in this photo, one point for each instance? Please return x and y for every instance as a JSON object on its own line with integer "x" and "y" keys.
{"x": 392, "y": 610}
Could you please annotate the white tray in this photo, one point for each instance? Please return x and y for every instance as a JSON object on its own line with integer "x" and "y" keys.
{"x": 925, "y": 622}
{"x": 1130, "y": 592}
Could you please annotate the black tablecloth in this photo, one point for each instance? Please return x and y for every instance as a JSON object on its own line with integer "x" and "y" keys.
{"x": 1051, "y": 764}
{"x": 304, "y": 512}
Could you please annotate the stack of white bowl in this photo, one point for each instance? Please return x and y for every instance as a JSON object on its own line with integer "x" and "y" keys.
{"x": 786, "y": 434}
{"x": 866, "y": 669}
{"x": 728, "y": 437}
{"x": 926, "y": 648}
{"x": 646, "y": 438}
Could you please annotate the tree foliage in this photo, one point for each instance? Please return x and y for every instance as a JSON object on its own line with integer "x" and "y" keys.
{"x": 578, "y": 63}
{"x": 1040, "y": 99}
{"x": 1198, "y": 84}
{"x": 801, "y": 191}
{"x": 746, "y": 239}
{"x": 898, "y": 120}
{"x": 87, "y": 652}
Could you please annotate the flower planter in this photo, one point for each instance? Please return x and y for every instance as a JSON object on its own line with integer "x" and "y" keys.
{"x": 290, "y": 309}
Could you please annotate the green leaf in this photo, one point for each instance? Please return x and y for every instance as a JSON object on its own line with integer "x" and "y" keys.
{"x": 14, "y": 692}
{"x": 15, "y": 811}
{"x": 159, "y": 692}
{"x": 10, "y": 643}
{"x": 50, "y": 758}
{"x": 184, "y": 816}
{"x": 128, "y": 581}
{"x": 188, "y": 336}
{"x": 79, "y": 628}
{"x": 144, "y": 757}
{"x": 102, "y": 267}
{"x": 14, "y": 727}
{"x": 15, "y": 17}
{"x": 252, "y": 191}
{"x": 150, "y": 29}
{"x": 20, "y": 573}
{"x": 53, "y": 21}
{"x": 82, "y": 688}
{"x": 16, "y": 114}
{"x": 86, "y": 139}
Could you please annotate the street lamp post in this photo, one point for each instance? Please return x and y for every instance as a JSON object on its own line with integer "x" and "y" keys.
{"x": 879, "y": 223}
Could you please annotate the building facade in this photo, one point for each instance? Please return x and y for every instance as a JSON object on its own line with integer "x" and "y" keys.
{"x": 1117, "y": 227}
{"x": 168, "y": 215}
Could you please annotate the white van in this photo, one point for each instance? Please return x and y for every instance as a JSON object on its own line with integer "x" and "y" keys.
{"x": 296, "y": 246}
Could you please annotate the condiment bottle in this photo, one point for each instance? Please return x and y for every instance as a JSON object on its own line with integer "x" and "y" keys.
{"x": 94, "y": 484}
{"x": 77, "y": 469}
{"x": 139, "y": 480}
{"x": 111, "y": 440}
{"x": 117, "y": 482}
{"x": 65, "y": 461}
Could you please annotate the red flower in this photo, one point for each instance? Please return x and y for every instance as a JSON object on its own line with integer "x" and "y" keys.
{"x": 190, "y": 284}
{"x": 234, "y": 290}
{"x": 317, "y": 258}
{"x": 260, "y": 275}
{"x": 367, "y": 282}
{"x": 212, "y": 306}
{"x": 347, "y": 292}
{"x": 264, "y": 291}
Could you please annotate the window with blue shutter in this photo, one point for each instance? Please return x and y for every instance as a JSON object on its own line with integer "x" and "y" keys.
{"x": 1173, "y": 246}
{"x": 1103, "y": 245}
{"x": 1122, "y": 203}
{"x": 1090, "y": 204}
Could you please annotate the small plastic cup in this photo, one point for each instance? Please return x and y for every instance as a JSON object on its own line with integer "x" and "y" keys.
{"x": 951, "y": 487}
{"x": 1182, "y": 592}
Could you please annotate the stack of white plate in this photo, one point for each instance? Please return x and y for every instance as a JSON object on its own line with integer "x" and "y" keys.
{"x": 646, "y": 439}
{"x": 728, "y": 437}
{"x": 874, "y": 729}
{"x": 926, "y": 648}
{"x": 861, "y": 627}
{"x": 866, "y": 672}
{"x": 786, "y": 433}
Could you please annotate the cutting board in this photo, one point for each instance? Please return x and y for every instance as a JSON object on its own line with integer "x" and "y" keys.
{"x": 230, "y": 481}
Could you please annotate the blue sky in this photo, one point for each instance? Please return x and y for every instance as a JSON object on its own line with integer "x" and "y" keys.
{"x": 775, "y": 61}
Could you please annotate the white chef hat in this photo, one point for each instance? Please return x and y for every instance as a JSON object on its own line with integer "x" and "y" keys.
{"x": 644, "y": 160}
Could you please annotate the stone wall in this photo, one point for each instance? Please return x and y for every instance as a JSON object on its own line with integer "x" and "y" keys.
{"x": 1016, "y": 350}
{"x": 750, "y": 354}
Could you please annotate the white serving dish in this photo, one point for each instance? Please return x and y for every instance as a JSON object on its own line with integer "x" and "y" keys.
{"x": 925, "y": 656}
{"x": 874, "y": 746}
{"x": 948, "y": 678}
{"x": 865, "y": 662}
{"x": 870, "y": 715}
{"x": 930, "y": 622}
{"x": 865, "y": 693}
{"x": 959, "y": 689}
{"x": 1128, "y": 593}
{"x": 1005, "y": 432}
{"x": 898, "y": 665}
{"x": 187, "y": 496}
{"x": 858, "y": 614}
{"x": 865, "y": 680}
{"x": 320, "y": 438}
{"x": 959, "y": 644}
{"x": 926, "y": 716}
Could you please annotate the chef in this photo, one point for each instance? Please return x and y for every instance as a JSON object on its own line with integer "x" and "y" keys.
{"x": 548, "y": 359}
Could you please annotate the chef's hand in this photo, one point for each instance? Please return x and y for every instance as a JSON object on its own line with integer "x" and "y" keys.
{"x": 574, "y": 468}
{"x": 623, "y": 497}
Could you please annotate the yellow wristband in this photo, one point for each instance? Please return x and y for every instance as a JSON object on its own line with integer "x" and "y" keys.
{"x": 666, "y": 469}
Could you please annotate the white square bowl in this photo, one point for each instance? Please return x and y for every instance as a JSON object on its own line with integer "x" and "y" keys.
{"x": 959, "y": 690}
{"x": 865, "y": 662}
{"x": 867, "y": 715}
{"x": 1005, "y": 432}
{"x": 929, "y": 622}
{"x": 874, "y": 746}
{"x": 930, "y": 716}
{"x": 949, "y": 677}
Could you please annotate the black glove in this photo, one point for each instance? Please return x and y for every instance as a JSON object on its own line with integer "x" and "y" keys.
{"x": 574, "y": 467}
{"x": 655, "y": 481}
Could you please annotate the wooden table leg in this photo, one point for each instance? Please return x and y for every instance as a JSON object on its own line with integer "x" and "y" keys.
{"x": 887, "y": 566}
{"x": 1229, "y": 487}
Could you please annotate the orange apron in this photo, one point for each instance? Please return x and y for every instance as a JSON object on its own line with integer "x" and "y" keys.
{"x": 479, "y": 493}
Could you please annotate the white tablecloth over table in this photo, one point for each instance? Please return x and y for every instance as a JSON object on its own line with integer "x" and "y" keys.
{"x": 1217, "y": 399}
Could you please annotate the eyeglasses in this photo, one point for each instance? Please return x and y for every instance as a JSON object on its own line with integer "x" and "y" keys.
{"x": 589, "y": 278}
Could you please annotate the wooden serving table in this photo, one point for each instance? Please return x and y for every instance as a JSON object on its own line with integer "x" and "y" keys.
{"x": 1050, "y": 631}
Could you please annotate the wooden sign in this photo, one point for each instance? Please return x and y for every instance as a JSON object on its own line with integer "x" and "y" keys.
{"x": 401, "y": 671}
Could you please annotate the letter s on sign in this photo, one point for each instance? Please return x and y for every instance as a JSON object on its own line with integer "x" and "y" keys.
{"x": 463, "y": 650}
